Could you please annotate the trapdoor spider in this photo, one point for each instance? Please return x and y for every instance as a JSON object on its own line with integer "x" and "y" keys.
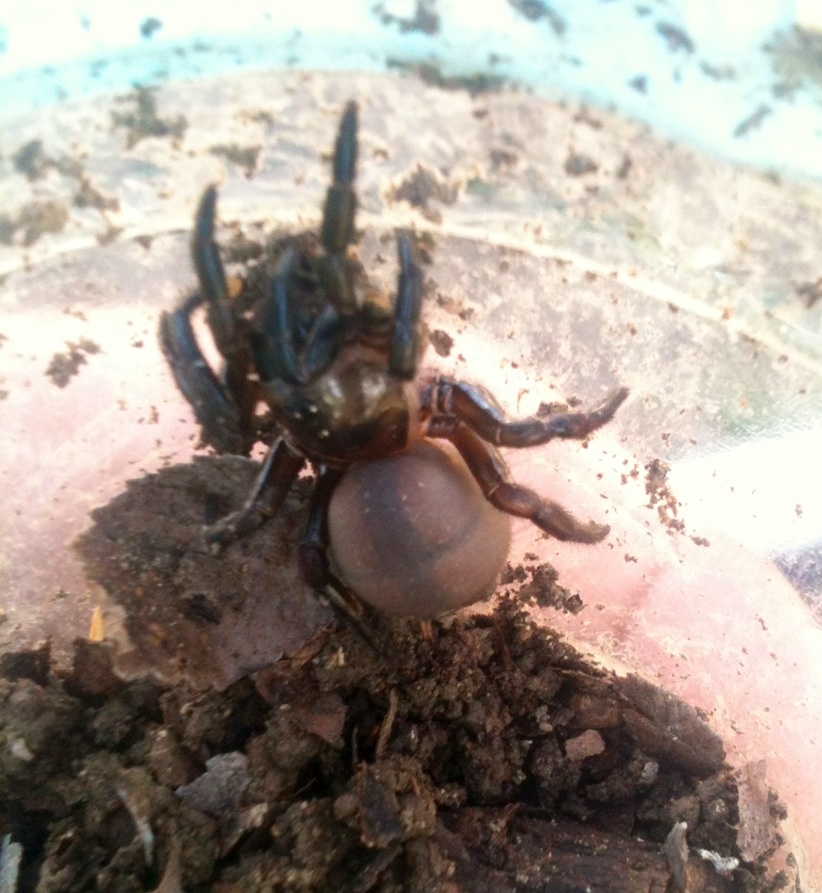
{"x": 338, "y": 373}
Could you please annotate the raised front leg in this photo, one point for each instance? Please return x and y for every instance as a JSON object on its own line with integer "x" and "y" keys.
{"x": 224, "y": 406}
{"x": 341, "y": 200}
{"x": 227, "y": 327}
{"x": 494, "y": 478}
{"x": 405, "y": 341}
{"x": 281, "y": 349}
{"x": 455, "y": 401}
{"x": 337, "y": 229}
{"x": 213, "y": 405}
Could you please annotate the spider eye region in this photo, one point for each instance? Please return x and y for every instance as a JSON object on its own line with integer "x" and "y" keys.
{"x": 351, "y": 412}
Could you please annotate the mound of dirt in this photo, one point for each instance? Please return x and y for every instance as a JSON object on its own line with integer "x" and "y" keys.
{"x": 481, "y": 754}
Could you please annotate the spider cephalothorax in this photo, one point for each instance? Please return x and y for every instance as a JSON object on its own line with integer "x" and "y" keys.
{"x": 339, "y": 376}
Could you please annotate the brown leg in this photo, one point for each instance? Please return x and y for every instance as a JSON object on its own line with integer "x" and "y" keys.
{"x": 279, "y": 469}
{"x": 313, "y": 557}
{"x": 456, "y": 401}
{"x": 493, "y": 476}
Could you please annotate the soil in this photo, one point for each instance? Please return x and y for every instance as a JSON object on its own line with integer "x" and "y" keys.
{"x": 478, "y": 753}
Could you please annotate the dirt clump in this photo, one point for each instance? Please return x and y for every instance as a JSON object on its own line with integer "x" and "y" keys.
{"x": 488, "y": 757}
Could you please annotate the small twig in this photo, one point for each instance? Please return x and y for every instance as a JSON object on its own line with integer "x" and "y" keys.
{"x": 505, "y": 654}
{"x": 141, "y": 824}
{"x": 387, "y": 723}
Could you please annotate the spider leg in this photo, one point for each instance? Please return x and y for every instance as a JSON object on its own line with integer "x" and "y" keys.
{"x": 406, "y": 339}
{"x": 224, "y": 406}
{"x": 279, "y": 469}
{"x": 468, "y": 404}
{"x": 313, "y": 556}
{"x": 337, "y": 229}
{"x": 222, "y": 319}
{"x": 209, "y": 267}
{"x": 213, "y": 405}
{"x": 494, "y": 478}
{"x": 275, "y": 353}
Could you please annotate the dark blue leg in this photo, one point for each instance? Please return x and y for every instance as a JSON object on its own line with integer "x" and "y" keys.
{"x": 213, "y": 405}
{"x": 405, "y": 342}
{"x": 224, "y": 406}
{"x": 337, "y": 229}
{"x": 276, "y": 356}
{"x": 341, "y": 201}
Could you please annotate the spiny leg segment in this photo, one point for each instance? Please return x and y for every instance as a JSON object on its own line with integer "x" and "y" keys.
{"x": 464, "y": 415}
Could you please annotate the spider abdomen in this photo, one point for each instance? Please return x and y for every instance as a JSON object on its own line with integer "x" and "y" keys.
{"x": 413, "y": 534}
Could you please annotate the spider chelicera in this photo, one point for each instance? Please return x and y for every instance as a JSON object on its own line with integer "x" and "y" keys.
{"x": 338, "y": 374}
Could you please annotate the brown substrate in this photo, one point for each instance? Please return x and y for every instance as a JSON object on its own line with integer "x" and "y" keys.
{"x": 488, "y": 756}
